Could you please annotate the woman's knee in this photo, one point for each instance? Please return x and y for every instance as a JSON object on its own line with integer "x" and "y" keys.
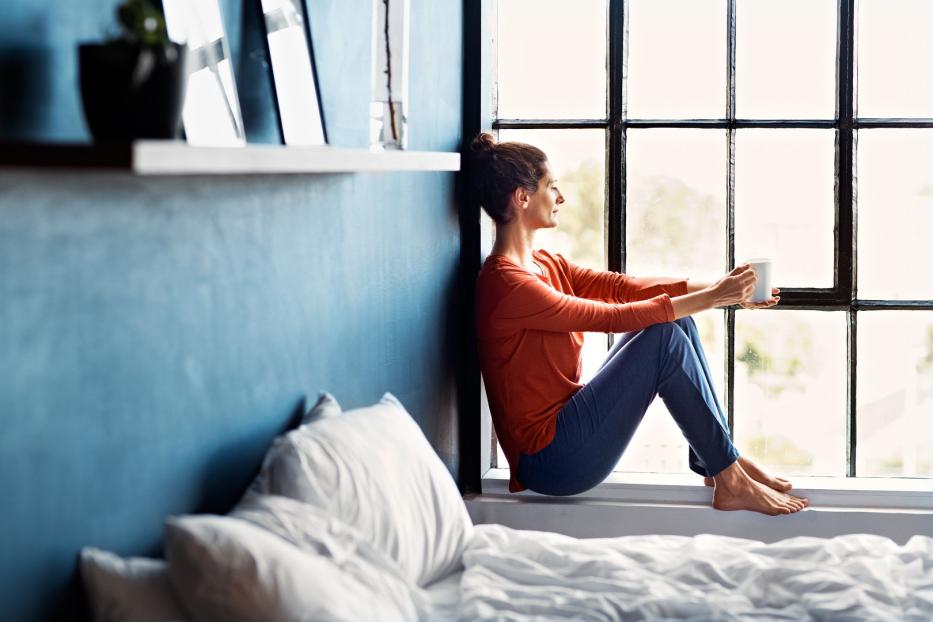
{"x": 667, "y": 331}
{"x": 687, "y": 324}
{"x": 666, "y": 336}
{"x": 657, "y": 338}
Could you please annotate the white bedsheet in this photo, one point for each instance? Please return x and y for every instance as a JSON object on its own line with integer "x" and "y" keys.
{"x": 444, "y": 598}
{"x": 518, "y": 575}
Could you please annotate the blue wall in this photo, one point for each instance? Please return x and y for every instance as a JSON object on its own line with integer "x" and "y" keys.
{"x": 156, "y": 333}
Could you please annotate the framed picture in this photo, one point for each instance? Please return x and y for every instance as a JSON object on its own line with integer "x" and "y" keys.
{"x": 294, "y": 75}
{"x": 211, "y": 113}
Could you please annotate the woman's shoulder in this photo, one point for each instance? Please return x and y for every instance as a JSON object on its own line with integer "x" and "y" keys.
{"x": 499, "y": 270}
{"x": 555, "y": 259}
{"x": 543, "y": 252}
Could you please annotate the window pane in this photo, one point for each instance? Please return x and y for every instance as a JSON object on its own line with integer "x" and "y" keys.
{"x": 578, "y": 159}
{"x": 895, "y": 394}
{"x": 775, "y": 80}
{"x": 658, "y": 445}
{"x": 895, "y": 214}
{"x": 790, "y": 390}
{"x": 676, "y": 203}
{"x": 677, "y": 59}
{"x": 894, "y": 52}
{"x": 552, "y": 59}
{"x": 784, "y": 205}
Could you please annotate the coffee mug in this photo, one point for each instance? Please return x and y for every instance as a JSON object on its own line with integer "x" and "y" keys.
{"x": 762, "y": 268}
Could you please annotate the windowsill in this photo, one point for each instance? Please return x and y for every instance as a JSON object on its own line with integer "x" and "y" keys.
{"x": 910, "y": 494}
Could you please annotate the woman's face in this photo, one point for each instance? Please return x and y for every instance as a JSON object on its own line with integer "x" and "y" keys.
{"x": 543, "y": 204}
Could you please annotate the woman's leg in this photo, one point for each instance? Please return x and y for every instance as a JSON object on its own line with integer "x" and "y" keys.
{"x": 689, "y": 326}
{"x": 597, "y": 424}
{"x": 710, "y": 431}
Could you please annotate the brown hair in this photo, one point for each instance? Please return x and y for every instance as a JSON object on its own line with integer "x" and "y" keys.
{"x": 501, "y": 168}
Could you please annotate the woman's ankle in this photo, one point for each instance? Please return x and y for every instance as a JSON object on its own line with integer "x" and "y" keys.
{"x": 731, "y": 477}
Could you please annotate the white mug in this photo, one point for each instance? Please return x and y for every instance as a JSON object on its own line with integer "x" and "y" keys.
{"x": 762, "y": 268}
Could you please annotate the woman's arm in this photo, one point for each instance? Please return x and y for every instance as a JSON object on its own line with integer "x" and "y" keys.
{"x": 692, "y": 303}
{"x": 616, "y": 287}
{"x": 697, "y": 286}
{"x": 700, "y": 286}
{"x": 527, "y": 303}
{"x": 732, "y": 289}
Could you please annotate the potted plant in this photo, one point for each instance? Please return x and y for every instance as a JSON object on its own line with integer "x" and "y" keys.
{"x": 133, "y": 86}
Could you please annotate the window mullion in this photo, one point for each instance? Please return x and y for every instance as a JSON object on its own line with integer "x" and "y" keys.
{"x": 730, "y": 210}
{"x": 851, "y": 420}
{"x": 845, "y": 272}
{"x": 615, "y": 139}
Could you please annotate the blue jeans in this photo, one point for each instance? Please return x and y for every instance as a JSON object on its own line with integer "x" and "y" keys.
{"x": 596, "y": 425}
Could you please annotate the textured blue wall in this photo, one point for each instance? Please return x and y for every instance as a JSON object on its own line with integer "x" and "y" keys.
{"x": 156, "y": 333}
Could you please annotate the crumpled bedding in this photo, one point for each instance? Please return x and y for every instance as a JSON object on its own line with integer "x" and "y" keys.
{"x": 523, "y": 575}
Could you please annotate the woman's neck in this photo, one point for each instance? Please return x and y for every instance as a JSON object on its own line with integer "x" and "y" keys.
{"x": 514, "y": 243}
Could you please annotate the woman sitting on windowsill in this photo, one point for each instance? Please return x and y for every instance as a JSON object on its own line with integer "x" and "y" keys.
{"x": 562, "y": 437}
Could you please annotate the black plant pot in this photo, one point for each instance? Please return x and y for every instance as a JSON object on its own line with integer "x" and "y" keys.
{"x": 131, "y": 91}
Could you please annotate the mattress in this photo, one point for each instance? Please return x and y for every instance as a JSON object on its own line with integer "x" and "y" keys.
{"x": 519, "y": 575}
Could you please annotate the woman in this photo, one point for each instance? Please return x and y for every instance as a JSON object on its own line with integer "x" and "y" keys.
{"x": 562, "y": 437}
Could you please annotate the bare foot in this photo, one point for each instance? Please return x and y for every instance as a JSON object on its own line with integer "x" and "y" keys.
{"x": 754, "y": 471}
{"x": 736, "y": 490}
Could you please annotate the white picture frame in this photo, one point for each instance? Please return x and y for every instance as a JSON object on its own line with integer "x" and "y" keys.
{"x": 294, "y": 74}
{"x": 211, "y": 114}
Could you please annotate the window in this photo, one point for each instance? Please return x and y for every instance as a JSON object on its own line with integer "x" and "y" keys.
{"x": 690, "y": 135}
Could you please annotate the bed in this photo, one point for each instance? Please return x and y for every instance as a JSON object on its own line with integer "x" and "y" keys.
{"x": 524, "y": 575}
{"x": 353, "y": 517}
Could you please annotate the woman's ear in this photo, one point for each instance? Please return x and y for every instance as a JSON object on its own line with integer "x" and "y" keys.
{"x": 520, "y": 198}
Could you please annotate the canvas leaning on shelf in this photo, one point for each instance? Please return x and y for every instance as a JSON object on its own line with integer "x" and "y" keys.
{"x": 291, "y": 52}
{"x": 211, "y": 113}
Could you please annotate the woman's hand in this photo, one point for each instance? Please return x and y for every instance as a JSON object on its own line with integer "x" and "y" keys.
{"x": 735, "y": 288}
{"x": 763, "y": 305}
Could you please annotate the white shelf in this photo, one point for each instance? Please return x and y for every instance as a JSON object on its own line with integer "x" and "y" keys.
{"x": 168, "y": 157}
{"x": 151, "y": 157}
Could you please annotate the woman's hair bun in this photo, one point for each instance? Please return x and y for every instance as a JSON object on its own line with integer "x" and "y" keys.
{"x": 483, "y": 142}
{"x": 500, "y": 168}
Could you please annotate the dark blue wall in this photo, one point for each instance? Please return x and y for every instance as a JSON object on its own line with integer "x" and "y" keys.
{"x": 156, "y": 333}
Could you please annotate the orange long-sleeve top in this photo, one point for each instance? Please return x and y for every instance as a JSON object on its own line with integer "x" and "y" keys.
{"x": 530, "y": 337}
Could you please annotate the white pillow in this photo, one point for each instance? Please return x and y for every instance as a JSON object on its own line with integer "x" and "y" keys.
{"x": 313, "y": 530}
{"x": 374, "y": 469}
{"x": 133, "y": 589}
{"x": 226, "y": 569}
{"x": 326, "y": 406}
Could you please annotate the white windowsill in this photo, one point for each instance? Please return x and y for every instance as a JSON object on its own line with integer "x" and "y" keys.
{"x": 904, "y": 494}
